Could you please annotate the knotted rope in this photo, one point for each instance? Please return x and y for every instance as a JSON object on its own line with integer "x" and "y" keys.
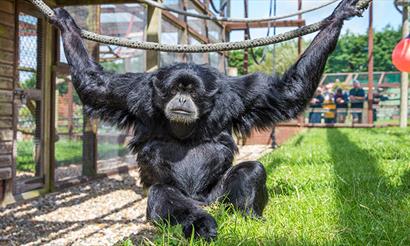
{"x": 198, "y": 48}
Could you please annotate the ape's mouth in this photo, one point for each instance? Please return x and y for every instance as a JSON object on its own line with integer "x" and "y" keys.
{"x": 181, "y": 111}
{"x": 181, "y": 115}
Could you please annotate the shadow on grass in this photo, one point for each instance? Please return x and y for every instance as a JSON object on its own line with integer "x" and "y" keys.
{"x": 371, "y": 211}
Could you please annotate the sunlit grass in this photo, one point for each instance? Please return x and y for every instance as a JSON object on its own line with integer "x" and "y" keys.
{"x": 326, "y": 187}
{"x": 67, "y": 152}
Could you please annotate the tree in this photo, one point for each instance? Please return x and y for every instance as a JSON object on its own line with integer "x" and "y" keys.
{"x": 350, "y": 54}
{"x": 285, "y": 55}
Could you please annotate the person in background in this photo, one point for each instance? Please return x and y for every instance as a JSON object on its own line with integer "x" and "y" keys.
{"x": 316, "y": 102}
{"x": 330, "y": 115}
{"x": 341, "y": 100}
{"x": 357, "y": 97}
{"x": 377, "y": 98}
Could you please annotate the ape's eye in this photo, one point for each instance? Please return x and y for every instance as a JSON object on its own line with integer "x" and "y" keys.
{"x": 194, "y": 94}
{"x": 173, "y": 91}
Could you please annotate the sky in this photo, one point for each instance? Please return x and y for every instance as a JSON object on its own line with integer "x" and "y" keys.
{"x": 384, "y": 14}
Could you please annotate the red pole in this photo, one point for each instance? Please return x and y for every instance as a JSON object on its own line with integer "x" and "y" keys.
{"x": 246, "y": 52}
{"x": 300, "y": 37}
{"x": 370, "y": 66}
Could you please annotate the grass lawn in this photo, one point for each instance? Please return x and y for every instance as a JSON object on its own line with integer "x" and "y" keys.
{"x": 326, "y": 187}
{"x": 67, "y": 152}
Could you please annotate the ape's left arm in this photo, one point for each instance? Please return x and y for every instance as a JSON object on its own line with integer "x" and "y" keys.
{"x": 269, "y": 99}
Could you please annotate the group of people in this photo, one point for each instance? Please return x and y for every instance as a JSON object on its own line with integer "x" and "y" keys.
{"x": 336, "y": 104}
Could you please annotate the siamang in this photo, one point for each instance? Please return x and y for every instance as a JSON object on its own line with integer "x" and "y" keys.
{"x": 182, "y": 117}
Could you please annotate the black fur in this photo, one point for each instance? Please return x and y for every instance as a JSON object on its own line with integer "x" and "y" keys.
{"x": 186, "y": 173}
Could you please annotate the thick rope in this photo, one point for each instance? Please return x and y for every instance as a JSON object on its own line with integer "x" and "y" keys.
{"x": 223, "y": 19}
{"x": 200, "y": 48}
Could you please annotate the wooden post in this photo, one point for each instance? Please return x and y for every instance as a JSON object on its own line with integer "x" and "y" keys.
{"x": 70, "y": 105}
{"x": 404, "y": 76}
{"x": 153, "y": 32}
{"x": 370, "y": 67}
{"x": 300, "y": 39}
{"x": 185, "y": 37}
{"x": 49, "y": 47}
{"x": 90, "y": 125}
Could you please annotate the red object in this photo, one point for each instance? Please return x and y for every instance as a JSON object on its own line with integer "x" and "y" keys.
{"x": 401, "y": 55}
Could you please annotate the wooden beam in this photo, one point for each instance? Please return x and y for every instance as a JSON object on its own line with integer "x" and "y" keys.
{"x": 153, "y": 32}
{"x": 48, "y": 59}
{"x": 233, "y": 26}
{"x": 90, "y": 147}
{"x": 91, "y": 2}
{"x": 5, "y": 160}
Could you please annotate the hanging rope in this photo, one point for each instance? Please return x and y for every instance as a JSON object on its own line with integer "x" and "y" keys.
{"x": 221, "y": 8}
{"x": 221, "y": 18}
{"x": 265, "y": 48}
{"x": 200, "y": 48}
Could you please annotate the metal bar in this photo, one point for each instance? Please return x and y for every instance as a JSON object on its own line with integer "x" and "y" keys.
{"x": 404, "y": 76}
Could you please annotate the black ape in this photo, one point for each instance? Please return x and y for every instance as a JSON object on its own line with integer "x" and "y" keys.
{"x": 183, "y": 115}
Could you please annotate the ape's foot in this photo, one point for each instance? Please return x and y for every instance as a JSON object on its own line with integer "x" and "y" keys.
{"x": 203, "y": 226}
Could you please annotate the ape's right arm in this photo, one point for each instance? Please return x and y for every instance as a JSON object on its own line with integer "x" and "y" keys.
{"x": 103, "y": 94}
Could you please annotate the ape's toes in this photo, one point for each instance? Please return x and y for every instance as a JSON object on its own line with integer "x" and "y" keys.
{"x": 204, "y": 226}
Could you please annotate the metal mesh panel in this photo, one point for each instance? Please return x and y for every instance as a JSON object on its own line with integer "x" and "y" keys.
{"x": 28, "y": 96}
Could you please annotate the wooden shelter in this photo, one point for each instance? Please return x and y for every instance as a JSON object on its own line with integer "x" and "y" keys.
{"x": 46, "y": 142}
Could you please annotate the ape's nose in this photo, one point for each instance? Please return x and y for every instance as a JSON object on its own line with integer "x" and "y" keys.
{"x": 182, "y": 100}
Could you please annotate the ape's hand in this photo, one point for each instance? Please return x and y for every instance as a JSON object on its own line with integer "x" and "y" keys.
{"x": 64, "y": 21}
{"x": 346, "y": 10}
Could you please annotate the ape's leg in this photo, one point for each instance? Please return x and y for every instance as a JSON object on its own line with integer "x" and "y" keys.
{"x": 243, "y": 185}
{"x": 168, "y": 203}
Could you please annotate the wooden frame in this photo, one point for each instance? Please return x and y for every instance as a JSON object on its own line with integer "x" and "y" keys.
{"x": 36, "y": 182}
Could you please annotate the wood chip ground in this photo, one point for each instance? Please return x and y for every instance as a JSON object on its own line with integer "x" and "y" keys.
{"x": 100, "y": 212}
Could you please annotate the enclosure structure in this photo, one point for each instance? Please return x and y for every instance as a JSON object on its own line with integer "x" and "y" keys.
{"x": 46, "y": 141}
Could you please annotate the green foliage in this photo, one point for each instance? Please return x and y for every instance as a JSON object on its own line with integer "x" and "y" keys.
{"x": 286, "y": 55}
{"x": 326, "y": 187}
{"x": 29, "y": 83}
{"x": 350, "y": 54}
{"x": 236, "y": 60}
{"x": 113, "y": 67}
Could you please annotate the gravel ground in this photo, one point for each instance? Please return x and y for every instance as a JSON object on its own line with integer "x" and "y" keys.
{"x": 101, "y": 212}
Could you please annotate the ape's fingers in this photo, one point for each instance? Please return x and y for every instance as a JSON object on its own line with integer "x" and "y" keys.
{"x": 346, "y": 10}
{"x": 64, "y": 21}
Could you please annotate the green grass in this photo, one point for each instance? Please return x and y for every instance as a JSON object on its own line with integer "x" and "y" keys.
{"x": 326, "y": 187}
{"x": 67, "y": 152}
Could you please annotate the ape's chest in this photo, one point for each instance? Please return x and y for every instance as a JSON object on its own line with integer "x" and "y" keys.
{"x": 191, "y": 167}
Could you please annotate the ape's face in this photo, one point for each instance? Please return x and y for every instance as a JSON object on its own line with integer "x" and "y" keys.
{"x": 181, "y": 107}
{"x": 181, "y": 96}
